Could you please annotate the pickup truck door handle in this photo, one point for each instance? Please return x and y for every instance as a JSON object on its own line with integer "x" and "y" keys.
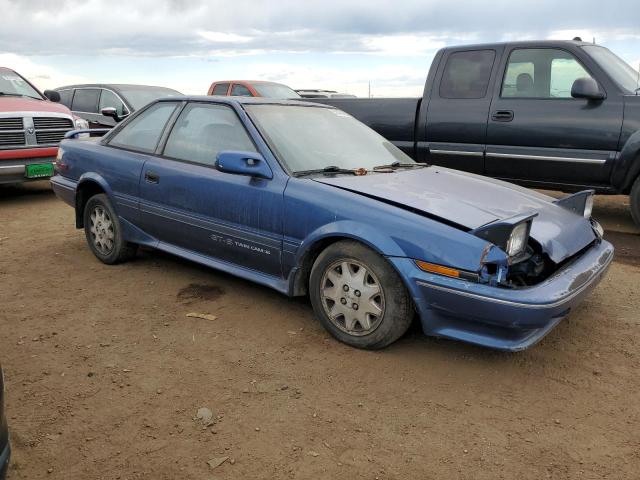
{"x": 151, "y": 177}
{"x": 502, "y": 115}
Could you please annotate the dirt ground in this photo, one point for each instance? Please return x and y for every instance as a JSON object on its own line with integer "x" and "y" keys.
{"x": 105, "y": 375}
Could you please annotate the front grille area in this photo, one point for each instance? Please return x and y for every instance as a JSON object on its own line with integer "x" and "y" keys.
{"x": 46, "y": 123}
{"x": 44, "y": 137}
{"x": 10, "y": 139}
{"x": 16, "y": 132}
{"x": 11, "y": 124}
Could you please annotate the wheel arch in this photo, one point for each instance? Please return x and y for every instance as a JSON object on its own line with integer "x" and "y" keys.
{"x": 317, "y": 242}
{"x": 88, "y": 186}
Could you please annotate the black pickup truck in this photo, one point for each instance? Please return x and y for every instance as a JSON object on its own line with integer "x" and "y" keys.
{"x": 547, "y": 114}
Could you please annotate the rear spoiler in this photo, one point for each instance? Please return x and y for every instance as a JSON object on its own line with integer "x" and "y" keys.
{"x": 75, "y": 133}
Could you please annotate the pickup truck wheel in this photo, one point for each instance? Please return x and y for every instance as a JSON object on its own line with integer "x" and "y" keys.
{"x": 359, "y": 298}
{"x": 634, "y": 200}
{"x": 103, "y": 231}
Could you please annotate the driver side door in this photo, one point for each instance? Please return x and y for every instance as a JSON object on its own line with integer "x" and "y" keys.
{"x": 186, "y": 203}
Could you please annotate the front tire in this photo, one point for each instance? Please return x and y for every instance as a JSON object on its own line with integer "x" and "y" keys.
{"x": 358, "y": 296}
{"x": 634, "y": 201}
{"x": 104, "y": 233}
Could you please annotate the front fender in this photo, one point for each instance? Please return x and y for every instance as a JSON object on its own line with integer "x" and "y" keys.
{"x": 373, "y": 238}
{"x": 628, "y": 166}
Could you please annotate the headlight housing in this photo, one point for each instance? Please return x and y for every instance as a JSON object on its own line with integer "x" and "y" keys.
{"x": 517, "y": 242}
{"x": 580, "y": 203}
{"x": 511, "y": 234}
{"x": 80, "y": 123}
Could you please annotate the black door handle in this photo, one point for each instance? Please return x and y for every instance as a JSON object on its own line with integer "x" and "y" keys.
{"x": 151, "y": 177}
{"x": 502, "y": 115}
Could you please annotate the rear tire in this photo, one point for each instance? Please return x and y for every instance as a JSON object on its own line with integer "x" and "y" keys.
{"x": 104, "y": 233}
{"x": 358, "y": 296}
{"x": 634, "y": 201}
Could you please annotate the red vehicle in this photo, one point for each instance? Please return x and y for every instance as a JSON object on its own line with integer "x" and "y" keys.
{"x": 252, "y": 88}
{"x": 31, "y": 127}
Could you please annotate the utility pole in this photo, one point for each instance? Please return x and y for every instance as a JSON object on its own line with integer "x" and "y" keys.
{"x": 369, "y": 88}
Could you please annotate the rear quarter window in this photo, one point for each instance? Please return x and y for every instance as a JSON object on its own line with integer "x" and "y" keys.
{"x": 467, "y": 74}
{"x": 143, "y": 132}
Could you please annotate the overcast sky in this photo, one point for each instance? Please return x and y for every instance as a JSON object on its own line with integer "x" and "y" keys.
{"x": 334, "y": 44}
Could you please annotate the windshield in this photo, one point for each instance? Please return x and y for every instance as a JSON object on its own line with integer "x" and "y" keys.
{"x": 275, "y": 90}
{"x": 138, "y": 97}
{"x": 13, "y": 84}
{"x": 620, "y": 71}
{"x": 309, "y": 138}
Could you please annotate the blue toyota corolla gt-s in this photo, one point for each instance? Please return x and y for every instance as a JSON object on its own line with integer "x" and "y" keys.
{"x": 305, "y": 199}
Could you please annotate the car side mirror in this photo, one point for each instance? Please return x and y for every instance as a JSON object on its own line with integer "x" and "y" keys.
{"x": 113, "y": 113}
{"x": 243, "y": 163}
{"x": 52, "y": 95}
{"x": 586, "y": 88}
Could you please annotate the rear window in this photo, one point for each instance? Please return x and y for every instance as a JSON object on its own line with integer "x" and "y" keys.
{"x": 466, "y": 74}
{"x": 86, "y": 100}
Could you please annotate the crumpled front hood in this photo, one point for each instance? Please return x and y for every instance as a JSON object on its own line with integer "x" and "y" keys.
{"x": 472, "y": 201}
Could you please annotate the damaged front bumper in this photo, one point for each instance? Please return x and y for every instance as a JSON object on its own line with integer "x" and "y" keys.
{"x": 506, "y": 319}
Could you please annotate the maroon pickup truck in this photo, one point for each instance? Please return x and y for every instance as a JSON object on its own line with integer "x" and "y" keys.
{"x": 31, "y": 127}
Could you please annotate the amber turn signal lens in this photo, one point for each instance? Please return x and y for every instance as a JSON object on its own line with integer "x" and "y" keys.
{"x": 439, "y": 269}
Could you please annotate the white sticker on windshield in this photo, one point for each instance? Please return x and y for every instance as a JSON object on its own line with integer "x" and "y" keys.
{"x": 13, "y": 79}
{"x": 340, "y": 113}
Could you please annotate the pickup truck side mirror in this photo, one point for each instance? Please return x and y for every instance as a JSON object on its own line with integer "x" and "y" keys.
{"x": 586, "y": 88}
{"x": 243, "y": 163}
{"x": 52, "y": 95}
{"x": 113, "y": 113}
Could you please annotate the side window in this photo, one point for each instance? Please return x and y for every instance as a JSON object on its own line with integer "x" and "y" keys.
{"x": 541, "y": 73}
{"x": 143, "y": 132}
{"x": 65, "y": 97}
{"x": 220, "y": 89}
{"x": 110, "y": 99}
{"x": 466, "y": 74}
{"x": 86, "y": 100}
{"x": 203, "y": 130}
{"x": 240, "y": 91}
{"x": 565, "y": 71}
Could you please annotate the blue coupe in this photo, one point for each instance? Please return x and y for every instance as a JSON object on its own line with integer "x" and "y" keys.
{"x": 305, "y": 199}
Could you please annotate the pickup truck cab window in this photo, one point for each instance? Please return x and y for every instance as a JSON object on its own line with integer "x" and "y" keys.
{"x": 541, "y": 73}
{"x": 143, "y": 132}
{"x": 220, "y": 89}
{"x": 466, "y": 74}
{"x": 239, "y": 90}
{"x": 204, "y": 130}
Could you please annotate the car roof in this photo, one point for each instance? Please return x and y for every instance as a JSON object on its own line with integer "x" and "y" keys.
{"x": 247, "y": 81}
{"x": 113, "y": 86}
{"x": 241, "y": 100}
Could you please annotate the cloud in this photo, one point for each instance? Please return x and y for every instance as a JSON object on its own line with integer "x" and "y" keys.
{"x": 42, "y": 76}
{"x": 200, "y": 27}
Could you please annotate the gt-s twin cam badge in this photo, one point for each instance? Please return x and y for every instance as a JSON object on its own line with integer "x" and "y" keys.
{"x": 231, "y": 242}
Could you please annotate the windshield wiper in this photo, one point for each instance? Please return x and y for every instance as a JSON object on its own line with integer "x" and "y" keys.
{"x": 327, "y": 169}
{"x": 395, "y": 165}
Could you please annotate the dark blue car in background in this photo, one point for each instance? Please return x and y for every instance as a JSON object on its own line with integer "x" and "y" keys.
{"x": 305, "y": 199}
